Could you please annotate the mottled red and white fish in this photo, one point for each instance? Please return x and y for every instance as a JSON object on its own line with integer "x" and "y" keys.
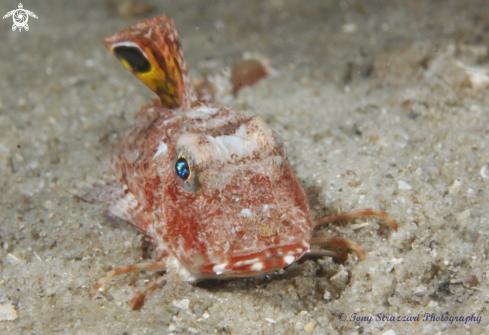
{"x": 212, "y": 189}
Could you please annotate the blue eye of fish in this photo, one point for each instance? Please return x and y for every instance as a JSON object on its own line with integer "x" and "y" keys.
{"x": 182, "y": 168}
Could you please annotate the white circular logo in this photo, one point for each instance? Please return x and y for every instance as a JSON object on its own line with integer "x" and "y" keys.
{"x": 20, "y": 17}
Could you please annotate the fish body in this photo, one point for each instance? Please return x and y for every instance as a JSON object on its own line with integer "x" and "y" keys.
{"x": 212, "y": 189}
{"x": 241, "y": 210}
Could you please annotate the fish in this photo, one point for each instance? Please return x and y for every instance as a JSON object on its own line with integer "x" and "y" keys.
{"x": 210, "y": 188}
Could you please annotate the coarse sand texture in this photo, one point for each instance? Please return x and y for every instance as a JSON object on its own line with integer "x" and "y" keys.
{"x": 380, "y": 104}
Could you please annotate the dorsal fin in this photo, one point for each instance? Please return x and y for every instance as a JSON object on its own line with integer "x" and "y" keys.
{"x": 151, "y": 50}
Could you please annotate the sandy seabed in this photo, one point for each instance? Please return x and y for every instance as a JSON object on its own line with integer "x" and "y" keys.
{"x": 380, "y": 104}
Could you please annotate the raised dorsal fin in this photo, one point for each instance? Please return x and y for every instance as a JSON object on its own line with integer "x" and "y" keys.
{"x": 151, "y": 50}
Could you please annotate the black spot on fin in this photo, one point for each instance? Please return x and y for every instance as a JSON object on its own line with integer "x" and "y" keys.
{"x": 134, "y": 57}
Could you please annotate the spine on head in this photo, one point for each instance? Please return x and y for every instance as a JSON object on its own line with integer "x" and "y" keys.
{"x": 151, "y": 50}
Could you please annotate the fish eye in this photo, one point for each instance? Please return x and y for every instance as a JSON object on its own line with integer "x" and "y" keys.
{"x": 182, "y": 168}
{"x": 186, "y": 173}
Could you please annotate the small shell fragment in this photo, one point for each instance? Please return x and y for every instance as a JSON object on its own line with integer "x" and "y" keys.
{"x": 182, "y": 304}
{"x": 309, "y": 327}
{"x": 403, "y": 186}
{"x": 484, "y": 172}
{"x": 396, "y": 260}
{"x": 466, "y": 279}
{"x": 8, "y": 312}
{"x": 455, "y": 187}
{"x": 356, "y": 226}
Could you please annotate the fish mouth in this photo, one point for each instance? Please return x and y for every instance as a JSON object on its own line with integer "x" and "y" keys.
{"x": 257, "y": 263}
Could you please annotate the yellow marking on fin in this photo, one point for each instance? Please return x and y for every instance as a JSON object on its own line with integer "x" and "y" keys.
{"x": 157, "y": 41}
{"x": 156, "y": 78}
{"x": 126, "y": 64}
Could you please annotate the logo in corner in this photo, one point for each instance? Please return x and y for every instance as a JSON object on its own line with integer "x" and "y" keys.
{"x": 20, "y": 16}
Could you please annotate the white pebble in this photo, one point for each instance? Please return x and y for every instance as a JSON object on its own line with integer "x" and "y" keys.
{"x": 402, "y": 185}
{"x": 182, "y": 304}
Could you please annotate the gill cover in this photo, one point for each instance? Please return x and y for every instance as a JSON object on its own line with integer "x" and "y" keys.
{"x": 151, "y": 50}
